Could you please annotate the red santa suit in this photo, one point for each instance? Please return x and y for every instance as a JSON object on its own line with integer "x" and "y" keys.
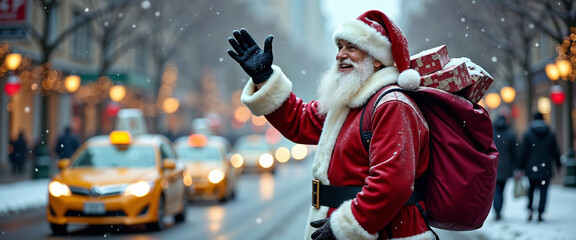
{"x": 399, "y": 149}
{"x": 398, "y": 154}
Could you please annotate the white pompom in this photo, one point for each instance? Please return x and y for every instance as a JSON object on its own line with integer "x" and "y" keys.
{"x": 409, "y": 79}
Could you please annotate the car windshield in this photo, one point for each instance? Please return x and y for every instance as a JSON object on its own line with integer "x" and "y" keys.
{"x": 252, "y": 143}
{"x": 111, "y": 156}
{"x": 199, "y": 154}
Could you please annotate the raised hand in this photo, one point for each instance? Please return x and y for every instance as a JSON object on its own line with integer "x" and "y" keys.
{"x": 255, "y": 62}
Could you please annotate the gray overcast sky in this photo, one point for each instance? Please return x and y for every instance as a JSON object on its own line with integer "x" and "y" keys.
{"x": 339, "y": 10}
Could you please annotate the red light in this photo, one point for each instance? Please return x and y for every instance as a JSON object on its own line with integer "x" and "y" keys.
{"x": 112, "y": 109}
{"x": 12, "y": 85}
{"x": 557, "y": 95}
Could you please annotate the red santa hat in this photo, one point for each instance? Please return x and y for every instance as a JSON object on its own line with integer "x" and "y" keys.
{"x": 378, "y": 35}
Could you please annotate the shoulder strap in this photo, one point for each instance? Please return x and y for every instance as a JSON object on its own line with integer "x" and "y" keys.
{"x": 366, "y": 117}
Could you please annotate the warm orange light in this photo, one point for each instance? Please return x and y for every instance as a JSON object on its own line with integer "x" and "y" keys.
{"x": 508, "y": 94}
{"x": 197, "y": 140}
{"x": 564, "y": 68}
{"x": 72, "y": 83}
{"x": 242, "y": 114}
{"x": 13, "y": 60}
{"x": 552, "y": 71}
{"x": 493, "y": 100}
{"x": 170, "y": 105}
{"x": 258, "y": 120}
{"x": 120, "y": 138}
{"x": 117, "y": 93}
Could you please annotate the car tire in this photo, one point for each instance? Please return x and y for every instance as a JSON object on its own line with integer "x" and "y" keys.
{"x": 159, "y": 223}
{"x": 58, "y": 229}
{"x": 181, "y": 216}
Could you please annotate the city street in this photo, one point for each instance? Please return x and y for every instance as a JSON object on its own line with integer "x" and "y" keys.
{"x": 266, "y": 207}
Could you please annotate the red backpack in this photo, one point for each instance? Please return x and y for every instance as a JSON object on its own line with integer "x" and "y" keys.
{"x": 458, "y": 186}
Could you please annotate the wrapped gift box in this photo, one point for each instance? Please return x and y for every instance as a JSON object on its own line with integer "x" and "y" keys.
{"x": 453, "y": 78}
{"x": 481, "y": 82}
{"x": 430, "y": 61}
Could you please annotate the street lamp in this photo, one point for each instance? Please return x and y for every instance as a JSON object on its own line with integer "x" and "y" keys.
{"x": 11, "y": 85}
{"x": 117, "y": 93}
{"x": 170, "y": 105}
{"x": 72, "y": 83}
{"x": 563, "y": 69}
{"x": 492, "y": 100}
{"x": 508, "y": 94}
{"x": 13, "y": 60}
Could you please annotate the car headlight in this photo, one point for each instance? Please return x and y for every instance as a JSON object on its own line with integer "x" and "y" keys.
{"x": 237, "y": 160}
{"x": 299, "y": 151}
{"x": 216, "y": 176}
{"x": 266, "y": 160}
{"x": 282, "y": 154}
{"x": 187, "y": 179}
{"x": 139, "y": 189}
{"x": 58, "y": 189}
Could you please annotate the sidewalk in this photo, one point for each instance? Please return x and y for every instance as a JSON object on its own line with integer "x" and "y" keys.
{"x": 6, "y": 175}
{"x": 559, "y": 219}
{"x": 21, "y": 192}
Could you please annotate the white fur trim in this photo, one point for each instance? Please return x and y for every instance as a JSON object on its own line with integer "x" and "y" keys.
{"x": 270, "y": 97}
{"x": 367, "y": 39}
{"x": 315, "y": 214}
{"x": 409, "y": 79}
{"x": 332, "y": 125}
{"x": 428, "y": 235}
{"x": 378, "y": 80}
{"x": 345, "y": 226}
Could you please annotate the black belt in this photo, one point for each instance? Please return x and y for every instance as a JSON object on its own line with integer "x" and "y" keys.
{"x": 334, "y": 196}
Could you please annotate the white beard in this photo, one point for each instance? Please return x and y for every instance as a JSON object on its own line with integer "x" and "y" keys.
{"x": 337, "y": 89}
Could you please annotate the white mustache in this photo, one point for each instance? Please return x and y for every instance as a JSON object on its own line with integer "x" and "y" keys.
{"x": 347, "y": 61}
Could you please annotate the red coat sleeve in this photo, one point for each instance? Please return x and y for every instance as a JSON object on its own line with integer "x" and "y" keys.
{"x": 298, "y": 121}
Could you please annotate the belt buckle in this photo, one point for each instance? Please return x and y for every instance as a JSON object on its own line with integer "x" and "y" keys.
{"x": 316, "y": 193}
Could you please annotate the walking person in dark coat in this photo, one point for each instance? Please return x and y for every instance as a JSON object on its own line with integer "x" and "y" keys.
{"x": 537, "y": 151}
{"x": 67, "y": 144}
{"x": 18, "y": 154}
{"x": 505, "y": 140}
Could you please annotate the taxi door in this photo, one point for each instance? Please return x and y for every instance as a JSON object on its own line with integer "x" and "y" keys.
{"x": 172, "y": 183}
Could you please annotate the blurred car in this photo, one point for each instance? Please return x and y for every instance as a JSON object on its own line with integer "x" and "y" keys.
{"x": 118, "y": 179}
{"x": 255, "y": 153}
{"x": 209, "y": 173}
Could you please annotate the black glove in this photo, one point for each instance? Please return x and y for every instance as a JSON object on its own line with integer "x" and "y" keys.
{"x": 255, "y": 62}
{"x": 324, "y": 231}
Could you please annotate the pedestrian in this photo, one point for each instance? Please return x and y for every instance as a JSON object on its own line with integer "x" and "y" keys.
{"x": 19, "y": 154}
{"x": 67, "y": 144}
{"x": 358, "y": 195}
{"x": 538, "y": 152}
{"x": 507, "y": 145}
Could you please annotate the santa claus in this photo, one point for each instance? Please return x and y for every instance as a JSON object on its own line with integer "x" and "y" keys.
{"x": 356, "y": 195}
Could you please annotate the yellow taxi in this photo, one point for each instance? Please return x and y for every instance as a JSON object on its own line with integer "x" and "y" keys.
{"x": 255, "y": 152}
{"x": 118, "y": 179}
{"x": 209, "y": 173}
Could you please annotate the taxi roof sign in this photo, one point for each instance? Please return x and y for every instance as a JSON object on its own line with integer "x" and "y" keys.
{"x": 197, "y": 140}
{"x": 131, "y": 120}
{"x": 120, "y": 138}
